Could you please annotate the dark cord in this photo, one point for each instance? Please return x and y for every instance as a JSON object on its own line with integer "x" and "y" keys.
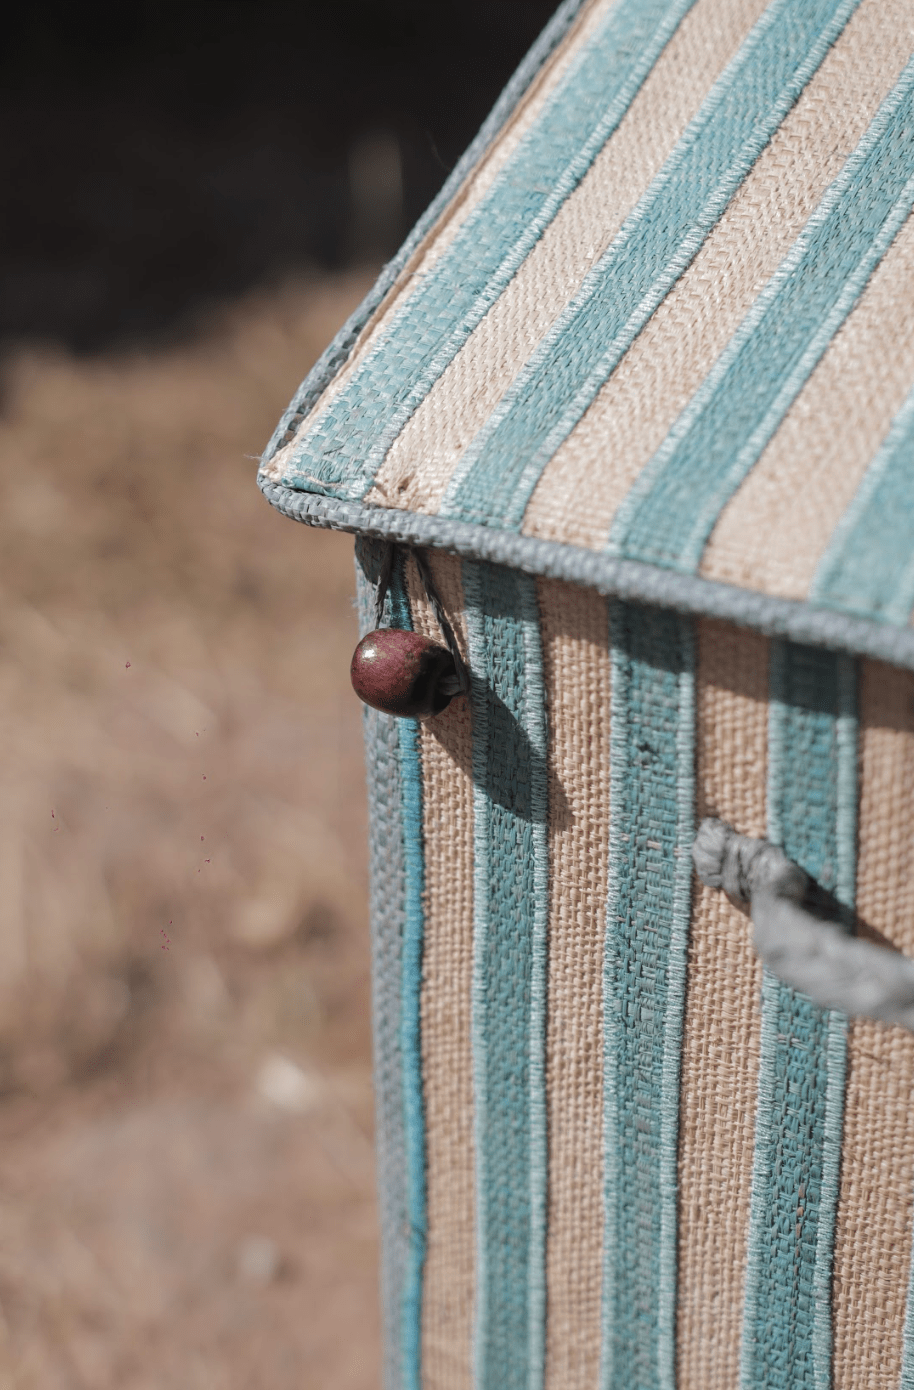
{"x": 425, "y": 574}
{"x": 384, "y": 577}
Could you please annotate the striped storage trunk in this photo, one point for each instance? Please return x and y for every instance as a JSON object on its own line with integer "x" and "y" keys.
{"x": 639, "y": 388}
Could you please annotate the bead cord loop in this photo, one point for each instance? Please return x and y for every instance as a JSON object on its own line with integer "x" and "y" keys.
{"x": 385, "y": 574}
{"x": 399, "y": 671}
{"x": 451, "y": 686}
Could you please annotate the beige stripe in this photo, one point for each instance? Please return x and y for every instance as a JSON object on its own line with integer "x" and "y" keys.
{"x": 677, "y": 348}
{"x": 421, "y": 462}
{"x": 774, "y": 531}
{"x": 575, "y": 628}
{"x": 722, "y": 1020}
{"x": 447, "y": 967}
{"x": 440, "y": 236}
{"x": 876, "y": 1203}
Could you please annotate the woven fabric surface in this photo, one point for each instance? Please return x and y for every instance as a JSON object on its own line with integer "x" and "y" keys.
{"x": 720, "y": 1049}
{"x": 447, "y": 752}
{"x": 412, "y": 946}
{"x": 509, "y": 975}
{"x": 576, "y": 662}
{"x": 641, "y": 1166}
{"x": 811, "y": 808}
{"x": 876, "y": 1204}
{"x": 689, "y": 244}
{"x": 647, "y": 912}
{"x": 656, "y": 337}
{"x": 387, "y": 888}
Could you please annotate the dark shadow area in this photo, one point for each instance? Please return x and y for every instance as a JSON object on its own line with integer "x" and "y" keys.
{"x": 513, "y": 767}
{"x": 160, "y": 157}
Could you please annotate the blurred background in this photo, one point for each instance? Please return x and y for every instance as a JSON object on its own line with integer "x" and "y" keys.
{"x": 192, "y": 199}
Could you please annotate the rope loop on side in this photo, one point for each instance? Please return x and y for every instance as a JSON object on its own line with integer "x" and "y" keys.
{"x": 812, "y": 953}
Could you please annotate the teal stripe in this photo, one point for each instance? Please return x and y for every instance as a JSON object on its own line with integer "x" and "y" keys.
{"x": 410, "y": 1001}
{"x": 655, "y": 245}
{"x": 509, "y": 975}
{"x": 907, "y": 1355}
{"x": 342, "y": 453}
{"x": 672, "y": 508}
{"x": 387, "y": 896}
{"x": 651, "y": 791}
{"x": 812, "y": 795}
{"x": 869, "y": 565}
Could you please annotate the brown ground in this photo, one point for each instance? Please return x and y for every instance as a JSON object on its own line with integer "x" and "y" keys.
{"x": 186, "y": 1184}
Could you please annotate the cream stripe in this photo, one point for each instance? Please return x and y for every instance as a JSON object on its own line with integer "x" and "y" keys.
{"x": 722, "y": 1021}
{"x": 641, "y": 400}
{"x": 876, "y": 1203}
{"x": 440, "y": 236}
{"x": 575, "y": 628}
{"x": 446, "y": 743}
{"x": 776, "y": 529}
{"x": 422, "y": 460}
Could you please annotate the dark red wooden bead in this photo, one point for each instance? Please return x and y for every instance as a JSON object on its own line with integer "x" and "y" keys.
{"x": 403, "y": 673}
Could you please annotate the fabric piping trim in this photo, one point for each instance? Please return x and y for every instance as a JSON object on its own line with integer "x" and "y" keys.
{"x": 634, "y": 580}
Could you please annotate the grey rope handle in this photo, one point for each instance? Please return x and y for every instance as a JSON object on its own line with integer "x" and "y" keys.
{"x": 813, "y": 955}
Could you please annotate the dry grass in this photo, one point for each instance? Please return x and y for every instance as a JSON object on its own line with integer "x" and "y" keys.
{"x": 185, "y": 1180}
